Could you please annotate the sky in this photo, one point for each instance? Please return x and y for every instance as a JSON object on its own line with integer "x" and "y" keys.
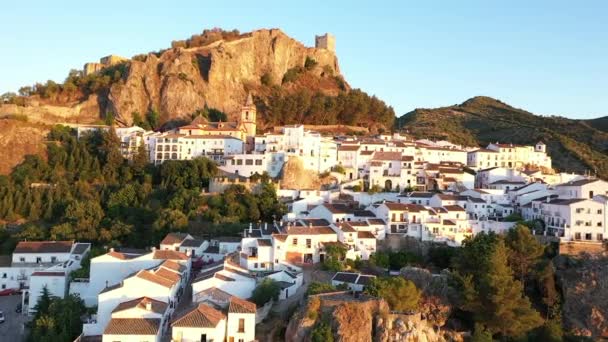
{"x": 548, "y": 57}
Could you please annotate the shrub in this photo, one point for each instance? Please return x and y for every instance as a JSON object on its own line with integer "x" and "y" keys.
{"x": 266, "y": 79}
{"x": 266, "y": 291}
{"x": 292, "y": 74}
{"x": 399, "y": 293}
{"x": 310, "y": 63}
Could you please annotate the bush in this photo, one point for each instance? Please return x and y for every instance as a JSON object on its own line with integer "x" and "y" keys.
{"x": 400, "y": 294}
{"x": 292, "y": 74}
{"x": 266, "y": 79}
{"x": 266, "y": 291}
{"x": 310, "y": 63}
{"x": 322, "y": 333}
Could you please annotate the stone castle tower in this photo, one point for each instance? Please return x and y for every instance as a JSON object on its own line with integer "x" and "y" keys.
{"x": 248, "y": 121}
{"x": 326, "y": 41}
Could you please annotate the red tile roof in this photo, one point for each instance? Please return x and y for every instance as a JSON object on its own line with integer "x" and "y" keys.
{"x": 168, "y": 254}
{"x": 141, "y": 303}
{"x": 48, "y": 274}
{"x": 151, "y": 277}
{"x": 365, "y": 235}
{"x": 202, "y": 316}
{"x": 238, "y": 305}
{"x": 44, "y": 247}
{"x": 173, "y": 238}
{"x": 132, "y": 326}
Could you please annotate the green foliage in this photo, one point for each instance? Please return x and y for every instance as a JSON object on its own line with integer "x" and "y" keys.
{"x": 441, "y": 256}
{"x": 90, "y": 193}
{"x": 153, "y": 119}
{"x": 316, "y": 287}
{"x": 400, "y": 294}
{"x": 266, "y": 79}
{"x": 322, "y": 332}
{"x": 496, "y": 299}
{"x": 310, "y": 63}
{"x": 394, "y": 260}
{"x": 206, "y": 38}
{"x": 237, "y": 204}
{"x": 574, "y": 145}
{"x": 515, "y": 217}
{"x": 524, "y": 250}
{"x": 481, "y": 334}
{"x": 267, "y": 290}
{"x": 338, "y": 169}
{"x": 211, "y": 114}
{"x": 57, "y": 319}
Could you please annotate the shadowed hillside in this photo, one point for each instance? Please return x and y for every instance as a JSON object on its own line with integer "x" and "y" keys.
{"x": 574, "y": 145}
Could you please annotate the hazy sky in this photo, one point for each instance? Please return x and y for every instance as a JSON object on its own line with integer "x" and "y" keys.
{"x": 550, "y": 57}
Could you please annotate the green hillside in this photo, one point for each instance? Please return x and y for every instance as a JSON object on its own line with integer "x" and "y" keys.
{"x": 574, "y": 145}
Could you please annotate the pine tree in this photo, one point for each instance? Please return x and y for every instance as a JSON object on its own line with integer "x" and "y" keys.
{"x": 524, "y": 250}
{"x": 140, "y": 161}
{"x": 498, "y": 301}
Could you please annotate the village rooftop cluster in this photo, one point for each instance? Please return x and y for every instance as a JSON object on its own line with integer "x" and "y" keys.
{"x": 386, "y": 186}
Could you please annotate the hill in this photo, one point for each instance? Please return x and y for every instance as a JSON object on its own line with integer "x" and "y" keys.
{"x": 290, "y": 84}
{"x": 599, "y": 123}
{"x": 574, "y": 145}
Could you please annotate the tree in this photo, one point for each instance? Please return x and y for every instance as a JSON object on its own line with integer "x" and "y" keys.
{"x": 322, "y": 333}
{"x": 524, "y": 250}
{"x": 267, "y": 290}
{"x": 171, "y": 220}
{"x": 481, "y": 334}
{"x": 497, "y": 300}
{"x": 380, "y": 259}
{"x": 400, "y": 294}
{"x": 140, "y": 161}
{"x": 153, "y": 119}
{"x": 32, "y": 232}
{"x": 310, "y": 63}
{"x": 548, "y": 289}
{"x": 59, "y": 321}
{"x": 44, "y": 302}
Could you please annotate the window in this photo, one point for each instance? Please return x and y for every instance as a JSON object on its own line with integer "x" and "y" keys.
{"x": 577, "y": 236}
{"x": 239, "y": 162}
{"x": 241, "y": 325}
{"x": 4, "y": 275}
{"x": 308, "y": 243}
{"x": 588, "y": 236}
{"x": 248, "y": 161}
{"x": 38, "y": 260}
{"x": 22, "y": 259}
{"x": 294, "y": 241}
{"x": 53, "y": 259}
{"x": 258, "y": 162}
{"x": 600, "y": 237}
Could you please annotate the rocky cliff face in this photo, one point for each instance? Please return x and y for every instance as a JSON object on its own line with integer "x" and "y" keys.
{"x": 218, "y": 75}
{"x": 584, "y": 286}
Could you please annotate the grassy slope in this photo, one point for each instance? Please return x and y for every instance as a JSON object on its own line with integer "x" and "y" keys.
{"x": 599, "y": 123}
{"x": 574, "y": 145}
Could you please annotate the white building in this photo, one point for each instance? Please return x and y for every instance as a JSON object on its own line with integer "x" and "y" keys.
{"x": 355, "y": 281}
{"x": 140, "y": 319}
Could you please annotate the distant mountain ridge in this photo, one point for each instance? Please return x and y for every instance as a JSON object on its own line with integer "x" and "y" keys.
{"x": 599, "y": 123}
{"x": 575, "y": 145}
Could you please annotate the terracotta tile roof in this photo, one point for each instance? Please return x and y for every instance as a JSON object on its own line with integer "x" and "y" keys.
{"x": 348, "y": 148}
{"x": 347, "y": 228}
{"x": 173, "y": 238}
{"x": 358, "y": 223}
{"x": 407, "y": 158}
{"x": 419, "y": 194}
{"x": 122, "y": 256}
{"x": 202, "y": 316}
{"x": 238, "y": 305}
{"x": 132, "y": 326}
{"x": 449, "y": 223}
{"x": 151, "y": 277}
{"x": 386, "y": 156}
{"x": 280, "y": 237}
{"x": 44, "y": 247}
{"x": 167, "y": 254}
{"x": 376, "y": 221}
{"x": 215, "y": 293}
{"x": 168, "y": 274}
{"x": 365, "y": 235}
{"x": 140, "y": 303}
{"x": 310, "y": 231}
{"x": 170, "y": 264}
{"x": 404, "y": 207}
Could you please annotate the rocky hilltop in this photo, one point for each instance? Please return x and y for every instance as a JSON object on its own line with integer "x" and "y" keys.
{"x": 574, "y": 145}
{"x": 183, "y": 80}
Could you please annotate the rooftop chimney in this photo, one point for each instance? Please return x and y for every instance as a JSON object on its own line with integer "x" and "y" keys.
{"x": 149, "y": 305}
{"x": 250, "y": 227}
{"x": 111, "y": 249}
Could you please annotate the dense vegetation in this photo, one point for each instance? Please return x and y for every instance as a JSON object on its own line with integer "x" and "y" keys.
{"x": 506, "y": 285}
{"x": 56, "y": 319}
{"x": 355, "y": 108}
{"x": 86, "y": 191}
{"x": 574, "y": 145}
